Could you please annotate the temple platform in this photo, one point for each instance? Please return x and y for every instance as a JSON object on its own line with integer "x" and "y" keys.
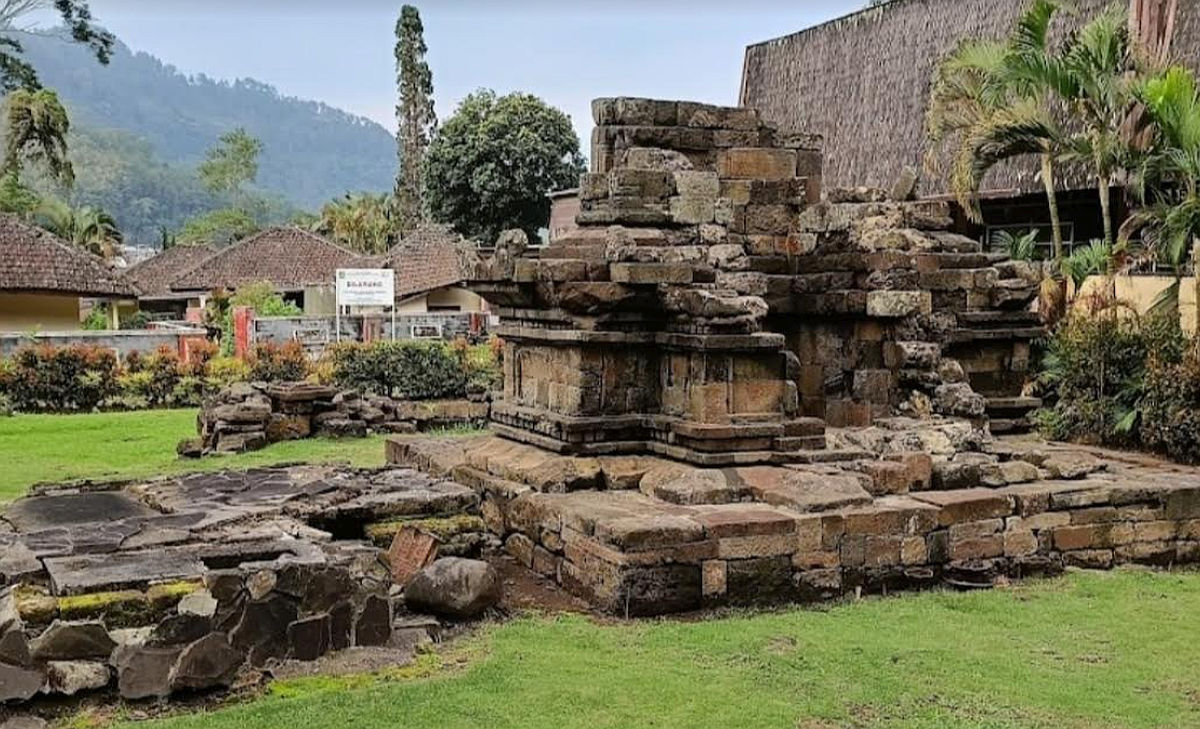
{"x": 926, "y": 503}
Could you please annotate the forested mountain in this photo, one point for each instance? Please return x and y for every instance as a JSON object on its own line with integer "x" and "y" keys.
{"x": 311, "y": 151}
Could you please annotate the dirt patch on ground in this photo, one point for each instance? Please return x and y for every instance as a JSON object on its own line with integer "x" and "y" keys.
{"x": 526, "y": 590}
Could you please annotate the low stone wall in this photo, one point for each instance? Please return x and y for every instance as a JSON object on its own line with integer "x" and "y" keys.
{"x": 249, "y": 416}
{"x": 931, "y": 505}
{"x": 316, "y": 332}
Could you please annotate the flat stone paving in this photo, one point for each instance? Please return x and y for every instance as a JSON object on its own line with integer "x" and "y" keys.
{"x": 928, "y": 503}
{"x": 89, "y": 538}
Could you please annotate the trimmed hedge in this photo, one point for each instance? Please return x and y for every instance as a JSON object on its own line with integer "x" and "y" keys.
{"x": 404, "y": 370}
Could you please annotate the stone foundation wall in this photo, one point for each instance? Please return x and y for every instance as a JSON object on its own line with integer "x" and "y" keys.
{"x": 249, "y": 416}
{"x": 642, "y": 536}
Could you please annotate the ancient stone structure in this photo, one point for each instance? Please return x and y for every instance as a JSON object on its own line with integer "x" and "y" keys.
{"x": 712, "y": 308}
{"x": 179, "y": 584}
{"x": 729, "y": 386}
{"x": 247, "y": 416}
{"x": 925, "y": 504}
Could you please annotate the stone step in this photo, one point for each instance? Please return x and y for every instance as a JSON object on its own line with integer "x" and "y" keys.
{"x": 801, "y": 443}
{"x": 825, "y": 455}
{"x": 959, "y": 336}
{"x": 1010, "y": 426}
{"x": 990, "y": 319}
{"x": 1013, "y": 404}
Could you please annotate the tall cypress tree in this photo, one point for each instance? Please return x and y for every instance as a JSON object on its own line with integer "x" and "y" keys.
{"x": 414, "y": 115}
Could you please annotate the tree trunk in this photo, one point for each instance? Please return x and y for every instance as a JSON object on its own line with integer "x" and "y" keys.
{"x": 1052, "y": 202}
{"x": 1105, "y": 190}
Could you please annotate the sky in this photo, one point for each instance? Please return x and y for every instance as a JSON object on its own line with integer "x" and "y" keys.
{"x": 566, "y": 52}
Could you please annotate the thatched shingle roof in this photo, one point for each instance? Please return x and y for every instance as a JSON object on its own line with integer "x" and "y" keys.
{"x": 430, "y": 257}
{"x": 153, "y": 277}
{"x": 290, "y": 258}
{"x": 863, "y": 82}
{"x": 34, "y": 260}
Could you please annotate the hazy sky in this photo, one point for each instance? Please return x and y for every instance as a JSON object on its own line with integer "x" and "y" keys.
{"x": 340, "y": 52}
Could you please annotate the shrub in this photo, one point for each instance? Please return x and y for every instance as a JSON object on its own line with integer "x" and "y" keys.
{"x": 1170, "y": 406}
{"x": 151, "y": 378}
{"x": 407, "y": 370}
{"x": 1125, "y": 381}
{"x": 271, "y": 362}
{"x": 223, "y": 372}
{"x": 46, "y": 378}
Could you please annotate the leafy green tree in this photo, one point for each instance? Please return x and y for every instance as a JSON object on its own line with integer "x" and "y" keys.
{"x": 15, "y": 71}
{"x": 1169, "y": 179}
{"x": 991, "y": 103}
{"x": 414, "y": 114}
{"x": 362, "y": 222}
{"x": 1100, "y": 93}
{"x": 87, "y": 227}
{"x": 218, "y": 227}
{"x": 36, "y": 127}
{"x": 16, "y": 197}
{"x": 227, "y": 167}
{"x": 491, "y": 165}
{"x": 231, "y": 163}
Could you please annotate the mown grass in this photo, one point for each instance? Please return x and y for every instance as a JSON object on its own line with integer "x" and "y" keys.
{"x": 37, "y": 448}
{"x": 1089, "y": 651}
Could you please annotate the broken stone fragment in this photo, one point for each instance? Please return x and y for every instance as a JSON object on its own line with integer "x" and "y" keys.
{"x": 71, "y": 677}
{"x": 454, "y": 587}
{"x": 18, "y": 683}
{"x": 200, "y": 603}
{"x": 72, "y": 640}
{"x": 210, "y": 662}
{"x": 374, "y": 624}
{"x": 179, "y": 630}
{"x": 959, "y": 399}
{"x": 143, "y": 672}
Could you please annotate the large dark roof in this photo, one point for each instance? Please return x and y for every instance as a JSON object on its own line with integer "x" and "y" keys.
{"x": 863, "y": 82}
{"x": 153, "y": 277}
{"x": 430, "y": 257}
{"x": 34, "y": 260}
{"x": 290, "y": 258}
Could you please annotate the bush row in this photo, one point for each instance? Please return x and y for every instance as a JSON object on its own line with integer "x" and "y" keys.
{"x": 44, "y": 378}
{"x": 1113, "y": 378}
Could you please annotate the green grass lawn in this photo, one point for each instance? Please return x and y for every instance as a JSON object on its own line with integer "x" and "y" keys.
{"x": 36, "y": 448}
{"x": 1087, "y": 651}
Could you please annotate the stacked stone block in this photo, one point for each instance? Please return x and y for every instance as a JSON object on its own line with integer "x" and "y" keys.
{"x": 642, "y": 535}
{"x": 248, "y": 416}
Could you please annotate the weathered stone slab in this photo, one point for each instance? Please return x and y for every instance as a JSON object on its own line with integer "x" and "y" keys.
{"x": 87, "y": 573}
{"x": 46, "y": 512}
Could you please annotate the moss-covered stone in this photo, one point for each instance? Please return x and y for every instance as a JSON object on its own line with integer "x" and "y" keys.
{"x": 444, "y": 528}
{"x": 125, "y": 608}
{"x": 36, "y": 606}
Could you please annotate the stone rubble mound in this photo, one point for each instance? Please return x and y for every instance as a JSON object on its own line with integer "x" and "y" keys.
{"x": 247, "y": 416}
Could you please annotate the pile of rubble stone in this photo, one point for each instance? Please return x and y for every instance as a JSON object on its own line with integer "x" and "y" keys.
{"x": 184, "y": 584}
{"x": 247, "y": 416}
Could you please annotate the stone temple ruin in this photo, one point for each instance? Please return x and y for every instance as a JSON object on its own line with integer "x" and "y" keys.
{"x": 728, "y": 386}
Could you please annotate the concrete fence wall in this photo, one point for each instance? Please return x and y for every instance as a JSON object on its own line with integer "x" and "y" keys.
{"x": 123, "y": 342}
{"x": 316, "y": 332}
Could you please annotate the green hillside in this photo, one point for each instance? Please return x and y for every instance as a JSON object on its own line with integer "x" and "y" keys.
{"x": 311, "y": 151}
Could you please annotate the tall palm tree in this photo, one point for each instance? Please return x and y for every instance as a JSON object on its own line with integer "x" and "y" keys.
{"x": 35, "y": 129}
{"x": 1169, "y": 180}
{"x": 990, "y": 103}
{"x": 1100, "y": 97}
{"x": 88, "y": 227}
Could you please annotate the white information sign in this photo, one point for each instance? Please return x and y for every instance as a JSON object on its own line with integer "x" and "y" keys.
{"x": 366, "y": 287}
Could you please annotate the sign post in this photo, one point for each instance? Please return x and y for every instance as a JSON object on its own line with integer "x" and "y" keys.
{"x": 364, "y": 287}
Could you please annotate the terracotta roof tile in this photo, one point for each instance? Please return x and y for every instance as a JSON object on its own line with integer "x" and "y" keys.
{"x": 290, "y": 258}
{"x": 32, "y": 259}
{"x": 431, "y": 257}
{"x": 153, "y": 276}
